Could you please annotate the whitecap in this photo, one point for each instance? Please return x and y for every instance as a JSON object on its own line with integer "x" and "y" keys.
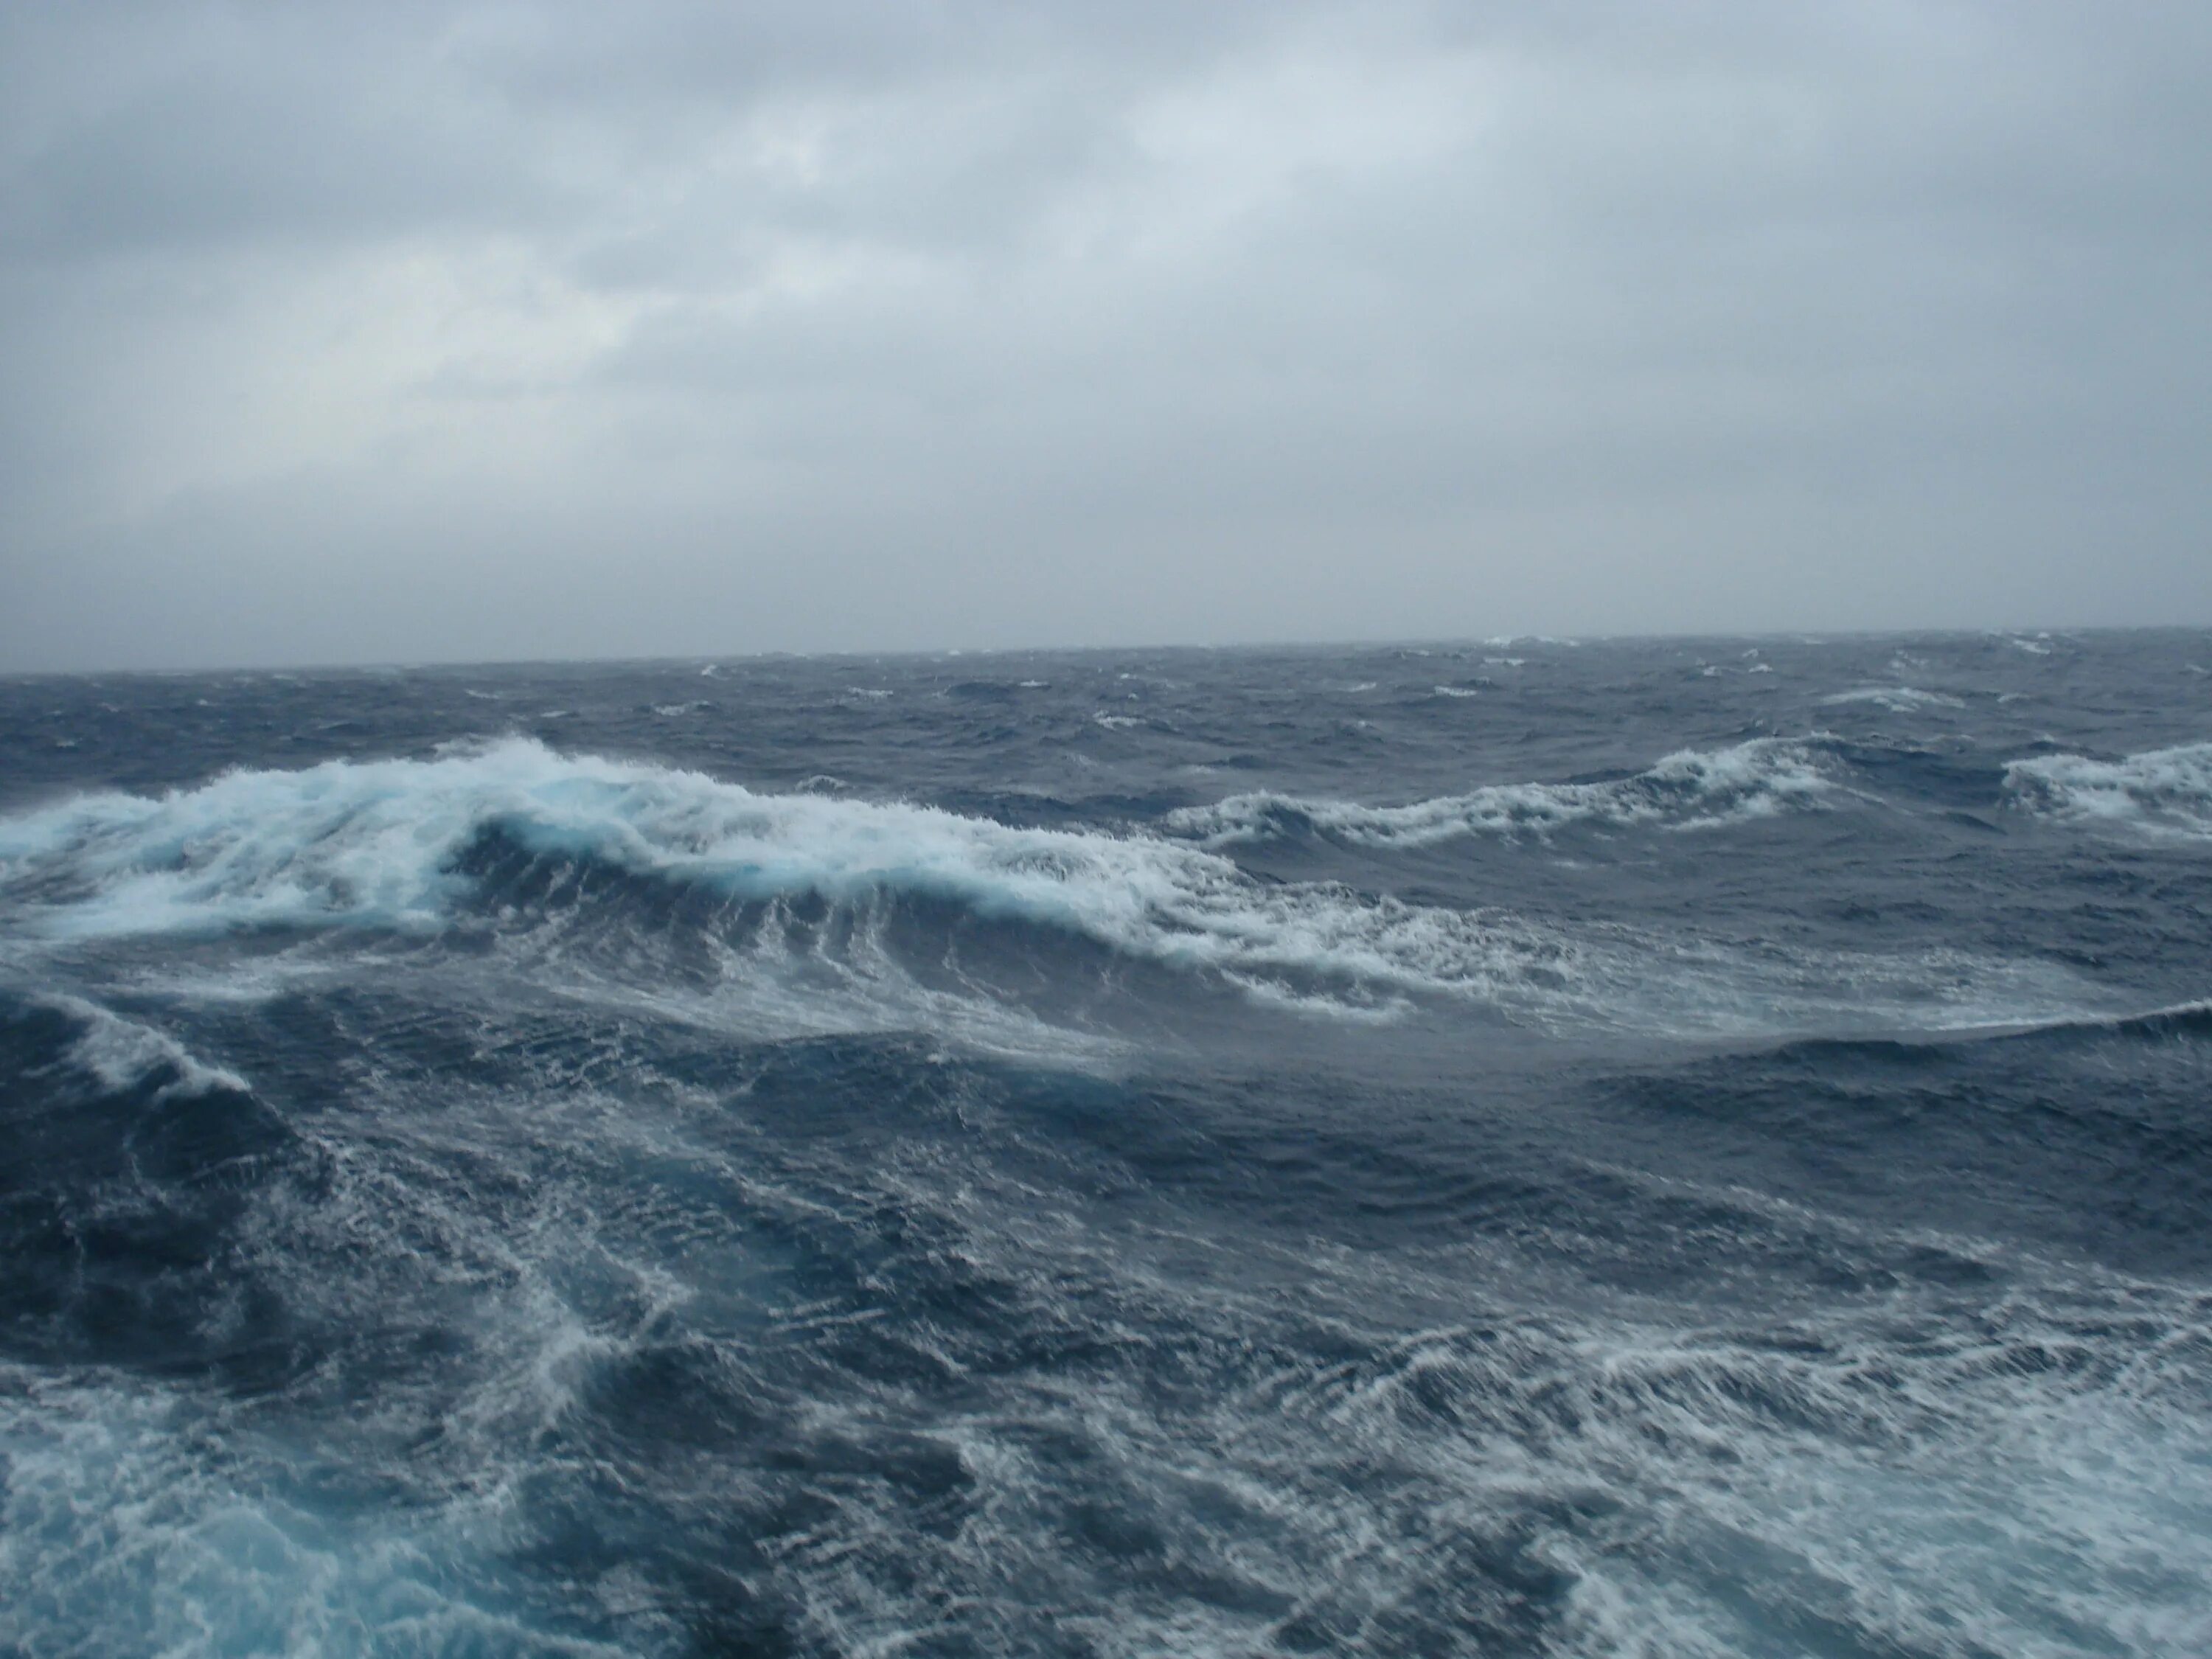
{"x": 382, "y": 845}
{"x": 2162, "y": 792}
{"x": 1689, "y": 789}
{"x": 121, "y": 1053}
{"x": 119, "y": 1533}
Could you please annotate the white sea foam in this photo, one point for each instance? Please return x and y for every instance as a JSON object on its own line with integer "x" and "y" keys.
{"x": 1887, "y": 1470}
{"x": 121, "y": 1053}
{"x": 2163, "y": 791}
{"x": 1692, "y": 789}
{"x": 119, "y": 1534}
{"x": 1687, "y": 1487}
{"x": 382, "y": 845}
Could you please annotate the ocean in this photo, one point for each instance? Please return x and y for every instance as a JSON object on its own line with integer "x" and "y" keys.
{"x": 1682, "y": 1147}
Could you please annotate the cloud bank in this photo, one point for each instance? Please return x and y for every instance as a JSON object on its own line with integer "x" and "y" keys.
{"x": 431, "y": 331}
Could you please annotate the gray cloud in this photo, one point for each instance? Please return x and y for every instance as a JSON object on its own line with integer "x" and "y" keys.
{"x": 337, "y": 333}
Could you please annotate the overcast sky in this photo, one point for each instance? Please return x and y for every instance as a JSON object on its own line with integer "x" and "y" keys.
{"x": 408, "y": 331}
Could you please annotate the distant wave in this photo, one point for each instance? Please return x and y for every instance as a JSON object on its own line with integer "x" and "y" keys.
{"x": 2161, "y": 792}
{"x": 1690, "y": 789}
{"x": 1898, "y": 699}
{"x": 393, "y": 845}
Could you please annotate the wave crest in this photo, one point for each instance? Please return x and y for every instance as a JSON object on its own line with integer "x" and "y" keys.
{"x": 530, "y": 840}
{"x": 1690, "y": 789}
{"x": 390, "y": 844}
{"x": 121, "y": 1053}
{"x": 2162, "y": 792}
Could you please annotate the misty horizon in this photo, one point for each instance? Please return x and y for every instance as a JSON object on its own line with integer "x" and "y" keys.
{"x": 1410, "y": 645}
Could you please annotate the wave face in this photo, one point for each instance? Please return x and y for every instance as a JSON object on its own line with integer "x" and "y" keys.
{"x": 382, "y": 843}
{"x": 1041, "y": 1154}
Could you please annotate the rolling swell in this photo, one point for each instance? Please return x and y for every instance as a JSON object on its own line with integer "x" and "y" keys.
{"x": 416, "y": 846}
{"x": 2088, "y": 1136}
{"x": 562, "y": 849}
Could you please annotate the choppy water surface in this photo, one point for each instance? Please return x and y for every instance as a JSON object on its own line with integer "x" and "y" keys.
{"x": 1667, "y": 1148}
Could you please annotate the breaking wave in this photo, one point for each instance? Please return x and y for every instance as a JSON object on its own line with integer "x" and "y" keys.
{"x": 120, "y": 1053}
{"x": 520, "y": 839}
{"x": 1688, "y": 790}
{"x": 2162, "y": 792}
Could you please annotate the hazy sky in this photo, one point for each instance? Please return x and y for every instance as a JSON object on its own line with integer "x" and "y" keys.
{"x": 414, "y": 330}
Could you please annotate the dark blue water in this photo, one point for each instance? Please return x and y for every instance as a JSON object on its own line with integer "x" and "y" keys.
{"x": 1660, "y": 1148}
